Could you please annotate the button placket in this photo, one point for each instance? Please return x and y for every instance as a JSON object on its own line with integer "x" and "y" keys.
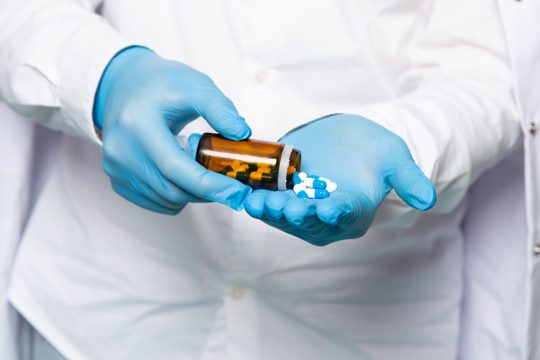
{"x": 533, "y": 129}
{"x": 238, "y": 292}
{"x": 241, "y": 322}
{"x": 262, "y": 76}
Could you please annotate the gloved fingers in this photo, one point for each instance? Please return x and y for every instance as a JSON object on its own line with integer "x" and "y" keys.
{"x": 193, "y": 143}
{"x": 153, "y": 179}
{"x": 170, "y": 192}
{"x": 157, "y": 186}
{"x": 254, "y": 203}
{"x": 275, "y": 204}
{"x": 221, "y": 114}
{"x": 126, "y": 170}
{"x": 189, "y": 144}
{"x": 183, "y": 171}
{"x": 143, "y": 201}
{"x": 298, "y": 216}
{"x": 141, "y": 188}
{"x": 268, "y": 205}
{"x": 342, "y": 208}
{"x": 301, "y": 213}
{"x": 413, "y": 186}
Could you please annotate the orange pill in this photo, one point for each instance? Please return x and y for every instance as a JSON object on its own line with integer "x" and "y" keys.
{"x": 255, "y": 176}
{"x": 264, "y": 170}
{"x": 263, "y": 165}
{"x": 236, "y": 163}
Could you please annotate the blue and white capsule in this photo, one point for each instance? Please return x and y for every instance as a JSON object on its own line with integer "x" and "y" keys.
{"x": 304, "y": 192}
{"x": 317, "y": 182}
{"x": 296, "y": 179}
{"x": 331, "y": 187}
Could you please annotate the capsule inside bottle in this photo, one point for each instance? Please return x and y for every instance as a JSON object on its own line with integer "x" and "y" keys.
{"x": 259, "y": 164}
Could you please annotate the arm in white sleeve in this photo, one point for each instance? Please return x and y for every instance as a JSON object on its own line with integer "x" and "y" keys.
{"x": 52, "y": 55}
{"x": 454, "y": 103}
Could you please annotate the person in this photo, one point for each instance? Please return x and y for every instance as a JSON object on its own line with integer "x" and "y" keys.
{"x": 100, "y": 278}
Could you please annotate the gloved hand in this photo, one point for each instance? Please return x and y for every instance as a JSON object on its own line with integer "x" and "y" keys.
{"x": 366, "y": 161}
{"x": 142, "y": 102}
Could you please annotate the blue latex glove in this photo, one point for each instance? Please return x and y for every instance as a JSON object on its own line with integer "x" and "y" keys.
{"x": 364, "y": 159}
{"x": 142, "y": 102}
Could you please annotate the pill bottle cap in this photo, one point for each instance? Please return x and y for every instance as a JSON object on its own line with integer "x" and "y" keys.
{"x": 290, "y": 163}
{"x": 284, "y": 163}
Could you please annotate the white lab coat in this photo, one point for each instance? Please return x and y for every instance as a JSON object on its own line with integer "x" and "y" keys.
{"x": 100, "y": 278}
{"x": 15, "y": 177}
{"x": 502, "y": 227}
{"x": 29, "y": 148}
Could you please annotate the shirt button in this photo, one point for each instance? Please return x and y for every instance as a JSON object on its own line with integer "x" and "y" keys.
{"x": 536, "y": 249}
{"x": 532, "y": 128}
{"x": 262, "y": 76}
{"x": 238, "y": 292}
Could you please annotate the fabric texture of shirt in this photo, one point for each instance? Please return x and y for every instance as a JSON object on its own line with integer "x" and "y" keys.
{"x": 520, "y": 19}
{"x": 17, "y": 142}
{"x": 101, "y": 278}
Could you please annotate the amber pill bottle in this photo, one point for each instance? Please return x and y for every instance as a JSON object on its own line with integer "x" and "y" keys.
{"x": 259, "y": 164}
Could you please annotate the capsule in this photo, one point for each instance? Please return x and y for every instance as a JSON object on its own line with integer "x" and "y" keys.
{"x": 331, "y": 187}
{"x": 304, "y": 192}
{"x": 316, "y": 182}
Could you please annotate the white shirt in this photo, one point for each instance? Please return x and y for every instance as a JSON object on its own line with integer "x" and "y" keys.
{"x": 503, "y": 223}
{"x": 101, "y": 278}
{"x": 16, "y": 140}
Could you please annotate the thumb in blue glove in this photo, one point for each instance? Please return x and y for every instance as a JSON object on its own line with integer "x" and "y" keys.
{"x": 142, "y": 102}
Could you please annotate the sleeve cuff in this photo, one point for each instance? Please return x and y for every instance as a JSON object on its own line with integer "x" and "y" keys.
{"x": 86, "y": 56}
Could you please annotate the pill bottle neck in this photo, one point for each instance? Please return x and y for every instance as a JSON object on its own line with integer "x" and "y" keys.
{"x": 293, "y": 165}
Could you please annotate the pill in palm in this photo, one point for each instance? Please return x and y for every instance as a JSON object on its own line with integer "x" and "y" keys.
{"x": 299, "y": 187}
{"x": 309, "y": 193}
{"x": 312, "y": 186}
{"x": 331, "y": 187}
{"x": 316, "y": 182}
{"x": 296, "y": 179}
{"x": 304, "y": 194}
